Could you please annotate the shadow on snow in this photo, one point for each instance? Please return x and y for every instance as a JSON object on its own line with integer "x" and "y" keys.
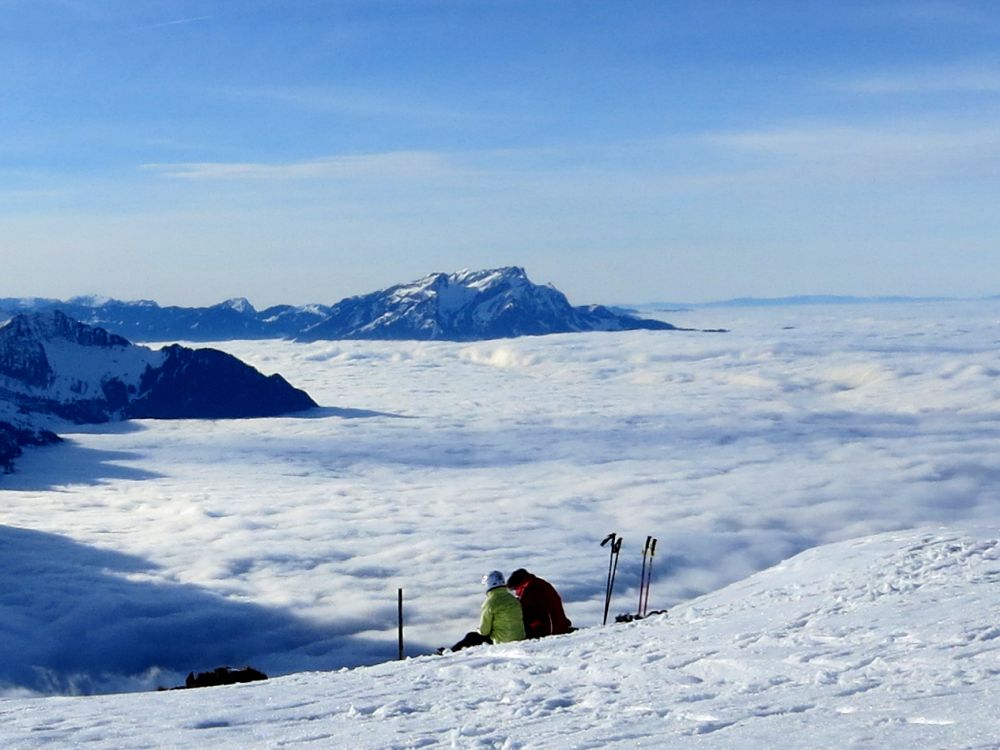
{"x": 80, "y": 619}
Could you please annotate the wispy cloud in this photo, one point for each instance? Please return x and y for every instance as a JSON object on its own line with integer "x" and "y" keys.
{"x": 175, "y": 22}
{"x": 882, "y": 150}
{"x": 397, "y": 164}
{"x": 969, "y": 79}
{"x": 931, "y": 12}
{"x": 355, "y": 102}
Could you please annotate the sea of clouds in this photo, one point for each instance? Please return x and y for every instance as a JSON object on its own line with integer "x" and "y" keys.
{"x": 137, "y": 552}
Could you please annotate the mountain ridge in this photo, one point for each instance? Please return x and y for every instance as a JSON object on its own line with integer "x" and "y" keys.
{"x": 462, "y": 306}
{"x": 797, "y": 300}
{"x": 54, "y": 368}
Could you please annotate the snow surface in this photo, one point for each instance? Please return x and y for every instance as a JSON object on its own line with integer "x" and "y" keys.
{"x": 80, "y": 370}
{"x": 888, "y": 641}
{"x": 281, "y": 542}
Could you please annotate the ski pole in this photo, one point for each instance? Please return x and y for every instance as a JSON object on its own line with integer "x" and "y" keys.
{"x": 616, "y": 550}
{"x": 607, "y": 587}
{"x": 642, "y": 575}
{"x": 400, "y": 605}
{"x": 649, "y": 577}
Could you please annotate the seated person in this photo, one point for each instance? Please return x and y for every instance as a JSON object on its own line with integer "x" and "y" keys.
{"x": 541, "y": 605}
{"x": 500, "y": 620}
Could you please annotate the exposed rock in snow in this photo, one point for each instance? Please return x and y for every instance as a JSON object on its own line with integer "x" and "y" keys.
{"x": 209, "y": 384}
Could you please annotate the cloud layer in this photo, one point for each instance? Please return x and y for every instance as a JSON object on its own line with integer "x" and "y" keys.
{"x": 737, "y": 450}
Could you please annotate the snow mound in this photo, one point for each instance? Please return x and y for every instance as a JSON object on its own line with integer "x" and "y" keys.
{"x": 887, "y": 641}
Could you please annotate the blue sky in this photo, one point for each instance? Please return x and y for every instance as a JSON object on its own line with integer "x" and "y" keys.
{"x": 191, "y": 151}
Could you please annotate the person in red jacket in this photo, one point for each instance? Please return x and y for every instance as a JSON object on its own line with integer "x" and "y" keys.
{"x": 541, "y": 606}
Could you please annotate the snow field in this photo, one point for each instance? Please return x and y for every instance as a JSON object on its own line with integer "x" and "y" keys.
{"x": 880, "y": 642}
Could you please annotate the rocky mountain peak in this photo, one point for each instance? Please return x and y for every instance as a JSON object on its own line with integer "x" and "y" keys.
{"x": 52, "y": 366}
{"x": 53, "y": 325}
{"x": 24, "y": 337}
{"x": 238, "y": 304}
{"x": 465, "y": 306}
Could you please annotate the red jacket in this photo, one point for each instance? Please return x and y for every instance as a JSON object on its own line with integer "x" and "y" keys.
{"x": 541, "y": 608}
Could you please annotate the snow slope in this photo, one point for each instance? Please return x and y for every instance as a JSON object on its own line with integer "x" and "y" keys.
{"x": 889, "y": 641}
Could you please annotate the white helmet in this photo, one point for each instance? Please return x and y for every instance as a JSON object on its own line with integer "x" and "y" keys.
{"x": 493, "y": 579}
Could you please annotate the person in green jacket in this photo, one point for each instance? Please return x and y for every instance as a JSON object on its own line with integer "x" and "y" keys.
{"x": 500, "y": 620}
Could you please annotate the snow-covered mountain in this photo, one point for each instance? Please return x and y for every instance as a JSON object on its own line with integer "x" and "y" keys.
{"x": 463, "y": 306}
{"x": 146, "y": 320}
{"x": 55, "y": 368}
{"x": 468, "y": 305}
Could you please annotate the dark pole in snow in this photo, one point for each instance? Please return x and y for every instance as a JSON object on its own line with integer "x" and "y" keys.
{"x": 617, "y": 549}
{"x": 607, "y": 588}
{"x": 400, "y": 623}
{"x": 642, "y": 575}
{"x": 649, "y": 578}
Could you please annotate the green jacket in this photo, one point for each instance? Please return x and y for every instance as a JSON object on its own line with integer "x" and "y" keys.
{"x": 501, "y": 619}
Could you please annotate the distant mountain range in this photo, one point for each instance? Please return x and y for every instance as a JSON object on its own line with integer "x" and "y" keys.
{"x": 463, "y": 306}
{"x": 791, "y": 301}
{"x": 55, "y": 370}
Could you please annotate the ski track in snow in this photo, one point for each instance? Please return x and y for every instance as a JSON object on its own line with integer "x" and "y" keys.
{"x": 280, "y": 543}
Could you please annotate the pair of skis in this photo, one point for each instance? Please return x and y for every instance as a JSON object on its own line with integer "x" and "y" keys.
{"x": 646, "y": 577}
